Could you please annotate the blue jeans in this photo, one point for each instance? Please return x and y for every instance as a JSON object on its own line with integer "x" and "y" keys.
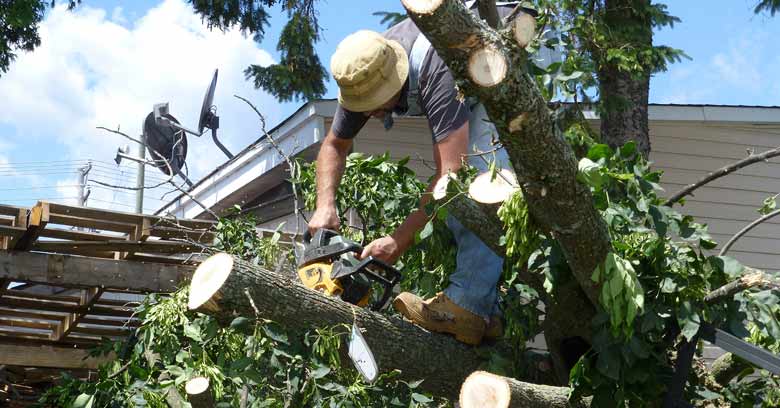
{"x": 478, "y": 268}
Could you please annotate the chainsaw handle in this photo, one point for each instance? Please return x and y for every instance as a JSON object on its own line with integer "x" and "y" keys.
{"x": 389, "y": 281}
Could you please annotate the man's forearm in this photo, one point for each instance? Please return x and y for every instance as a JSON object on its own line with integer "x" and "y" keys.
{"x": 330, "y": 167}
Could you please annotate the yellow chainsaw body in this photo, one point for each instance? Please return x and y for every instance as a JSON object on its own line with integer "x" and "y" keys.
{"x": 316, "y": 276}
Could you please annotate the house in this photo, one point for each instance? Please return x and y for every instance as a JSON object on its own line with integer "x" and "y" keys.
{"x": 688, "y": 142}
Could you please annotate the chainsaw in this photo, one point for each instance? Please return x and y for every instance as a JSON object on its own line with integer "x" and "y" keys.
{"x": 328, "y": 265}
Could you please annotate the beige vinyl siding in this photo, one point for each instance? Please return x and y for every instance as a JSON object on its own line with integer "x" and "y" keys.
{"x": 688, "y": 151}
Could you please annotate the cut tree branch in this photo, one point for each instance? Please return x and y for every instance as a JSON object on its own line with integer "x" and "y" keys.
{"x": 485, "y": 390}
{"x": 225, "y": 287}
{"x": 753, "y": 279}
{"x": 723, "y": 171}
{"x": 747, "y": 229}
{"x": 491, "y": 67}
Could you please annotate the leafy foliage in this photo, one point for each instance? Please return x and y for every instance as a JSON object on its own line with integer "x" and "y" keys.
{"x": 771, "y": 6}
{"x": 381, "y": 193}
{"x": 390, "y": 18}
{"x": 19, "y": 27}
{"x": 252, "y": 359}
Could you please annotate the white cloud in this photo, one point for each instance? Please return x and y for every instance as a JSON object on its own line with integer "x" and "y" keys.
{"x": 95, "y": 69}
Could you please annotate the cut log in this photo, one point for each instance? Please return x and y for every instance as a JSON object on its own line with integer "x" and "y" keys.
{"x": 489, "y": 188}
{"x": 227, "y": 289}
{"x": 440, "y": 188}
{"x": 487, "y": 67}
{"x": 485, "y": 390}
{"x": 524, "y": 28}
{"x": 198, "y": 393}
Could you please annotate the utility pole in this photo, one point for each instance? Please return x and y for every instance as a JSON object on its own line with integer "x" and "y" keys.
{"x": 139, "y": 180}
{"x": 83, "y": 190}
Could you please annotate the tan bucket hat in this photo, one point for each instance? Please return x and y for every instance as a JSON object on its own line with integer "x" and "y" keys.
{"x": 369, "y": 70}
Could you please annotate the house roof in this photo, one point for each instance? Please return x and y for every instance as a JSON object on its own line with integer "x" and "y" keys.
{"x": 325, "y": 108}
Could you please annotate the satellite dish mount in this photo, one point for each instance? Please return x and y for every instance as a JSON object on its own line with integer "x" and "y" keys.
{"x": 207, "y": 119}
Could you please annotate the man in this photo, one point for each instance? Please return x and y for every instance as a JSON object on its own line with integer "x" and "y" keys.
{"x": 400, "y": 72}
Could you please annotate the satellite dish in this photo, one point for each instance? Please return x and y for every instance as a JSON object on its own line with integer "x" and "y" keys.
{"x": 165, "y": 143}
{"x": 206, "y": 116}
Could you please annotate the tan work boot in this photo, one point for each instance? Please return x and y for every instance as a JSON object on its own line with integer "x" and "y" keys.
{"x": 495, "y": 329}
{"x": 440, "y": 314}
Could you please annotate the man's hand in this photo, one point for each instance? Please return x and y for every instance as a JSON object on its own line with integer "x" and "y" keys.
{"x": 385, "y": 249}
{"x": 324, "y": 217}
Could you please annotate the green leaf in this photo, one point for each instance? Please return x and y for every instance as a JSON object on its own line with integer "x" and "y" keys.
{"x": 83, "y": 401}
{"x": 320, "y": 372}
{"x": 193, "y": 331}
{"x": 421, "y": 398}
{"x": 688, "y": 320}
{"x": 599, "y": 151}
{"x": 241, "y": 324}
{"x": 426, "y": 231}
{"x": 608, "y": 363}
{"x": 728, "y": 265}
{"x": 589, "y": 172}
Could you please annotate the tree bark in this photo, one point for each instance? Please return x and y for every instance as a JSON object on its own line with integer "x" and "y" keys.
{"x": 624, "y": 95}
{"x": 541, "y": 157}
{"x": 248, "y": 290}
{"x": 539, "y": 154}
{"x": 485, "y": 390}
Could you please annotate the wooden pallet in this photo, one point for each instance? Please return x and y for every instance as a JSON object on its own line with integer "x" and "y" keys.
{"x": 50, "y": 297}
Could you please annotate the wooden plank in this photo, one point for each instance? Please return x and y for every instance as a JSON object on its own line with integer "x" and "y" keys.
{"x": 74, "y": 272}
{"x": 132, "y": 323}
{"x": 12, "y": 231}
{"x": 167, "y": 247}
{"x": 87, "y": 300}
{"x": 11, "y": 210}
{"x": 39, "y": 218}
{"x": 49, "y": 356}
{"x": 72, "y": 235}
{"x": 60, "y": 219}
{"x": 205, "y": 237}
{"x": 47, "y": 305}
{"x": 126, "y": 217}
{"x": 27, "y": 323}
{"x": 30, "y": 315}
{"x": 20, "y": 220}
{"x": 102, "y": 331}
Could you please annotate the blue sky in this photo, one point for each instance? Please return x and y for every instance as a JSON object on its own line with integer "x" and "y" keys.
{"x": 107, "y": 63}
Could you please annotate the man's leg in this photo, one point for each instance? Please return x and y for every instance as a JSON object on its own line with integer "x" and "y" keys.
{"x": 465, "y": 307}
{"x": 478, "y": 269}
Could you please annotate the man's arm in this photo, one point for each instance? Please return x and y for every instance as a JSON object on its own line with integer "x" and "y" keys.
{"x": 448, "y": 155}
{"x": 330, "y": 167}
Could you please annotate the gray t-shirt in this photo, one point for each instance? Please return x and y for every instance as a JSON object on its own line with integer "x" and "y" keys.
{"x": 439, "y": 99}
{"x": 438, "y": 96}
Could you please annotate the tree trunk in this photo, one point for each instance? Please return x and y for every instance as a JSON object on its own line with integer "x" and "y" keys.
{"x": 491, "y": 66}
{"x": 225, "y": 287}
{"x": 485, "y": 390}
{"x": 624, "y": 95}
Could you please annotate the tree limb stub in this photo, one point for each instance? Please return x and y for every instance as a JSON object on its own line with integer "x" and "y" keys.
{"x": 485, "y": 390}
{"x": 751, "y": 280}
{"x": 225, "y": 289}
{"x": 524, "y": 28}
{"x": 539, "y": 154}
